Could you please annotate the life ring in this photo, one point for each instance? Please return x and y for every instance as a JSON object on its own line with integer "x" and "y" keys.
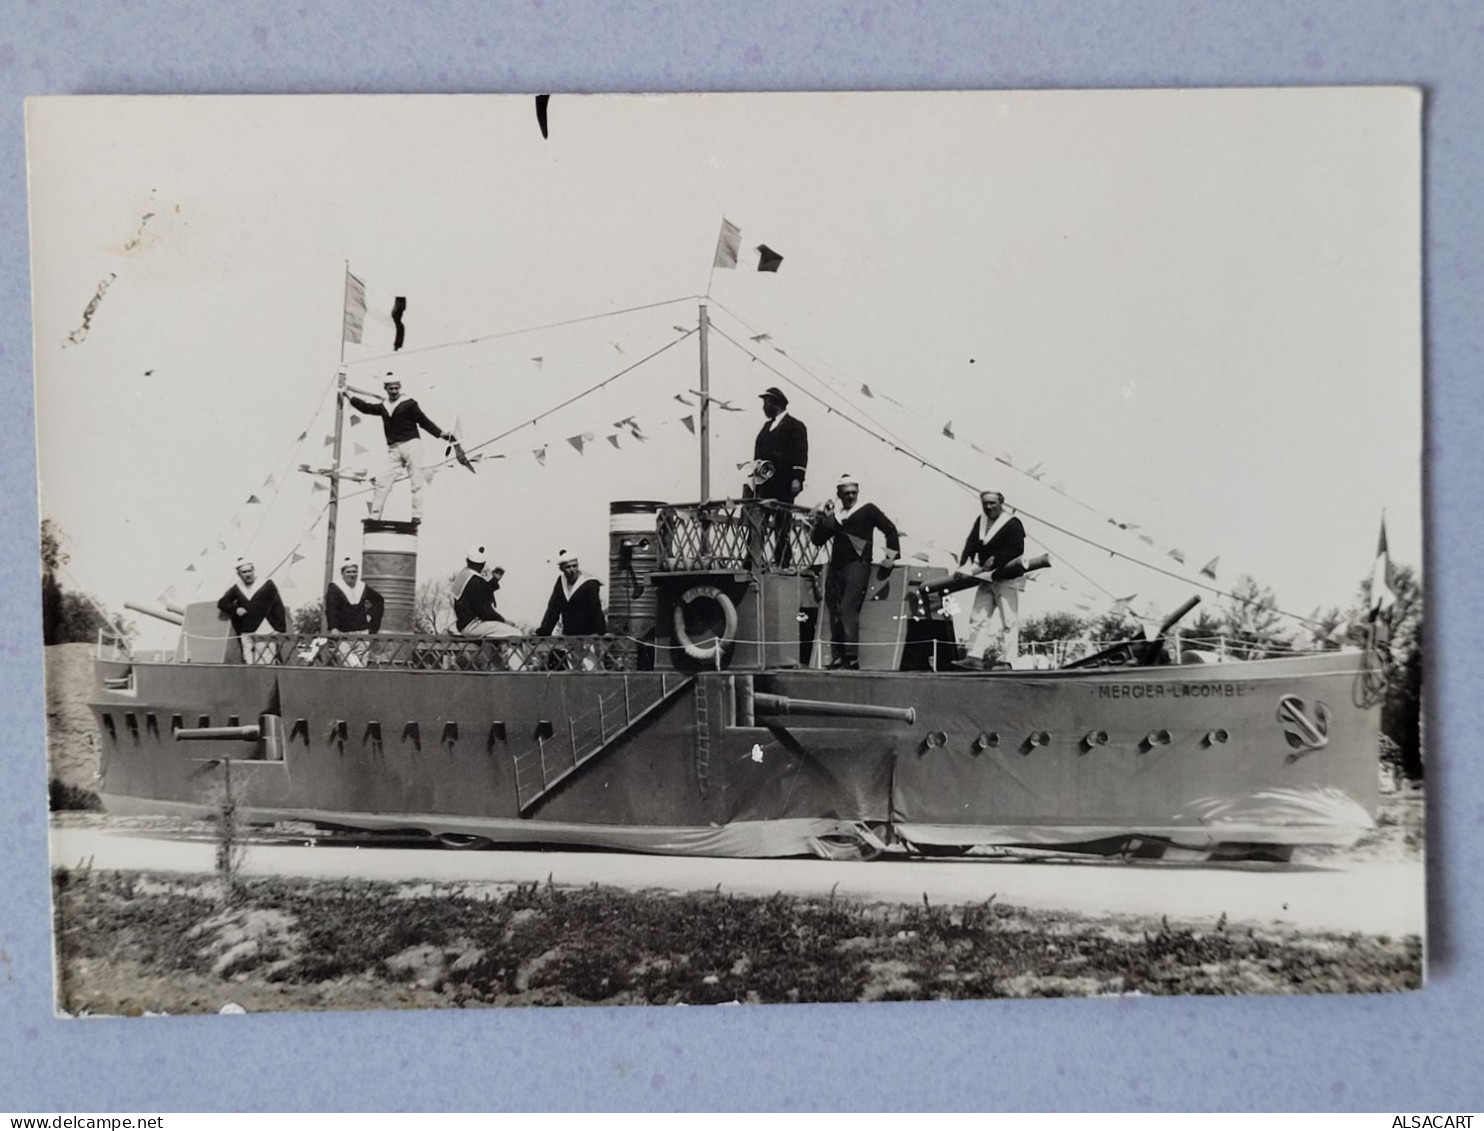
{"x": 710, "y": 651}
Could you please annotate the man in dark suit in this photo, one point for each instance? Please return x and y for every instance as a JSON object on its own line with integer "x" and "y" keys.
{"x": 780, "y": 460}
{"x": 849, "y": 530}
{"x": 996, "y": 540}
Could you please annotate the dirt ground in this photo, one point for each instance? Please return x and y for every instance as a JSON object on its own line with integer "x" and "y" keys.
{"x": 134, "y": 944}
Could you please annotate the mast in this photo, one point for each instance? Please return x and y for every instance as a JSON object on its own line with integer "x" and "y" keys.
{"x": 334, "y": 508}
{"x": 705, "y": 410}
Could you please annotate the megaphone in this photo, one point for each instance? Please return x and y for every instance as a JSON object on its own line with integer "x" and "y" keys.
{"x": 1020, "y": 567}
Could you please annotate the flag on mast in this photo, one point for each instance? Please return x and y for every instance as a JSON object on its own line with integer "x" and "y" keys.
{"x": 728, "y": 244}
{"x": 355, "y": 308}
{"x": 1383, "y": 591}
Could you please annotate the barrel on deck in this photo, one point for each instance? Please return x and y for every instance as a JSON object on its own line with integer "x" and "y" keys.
{"x": 389, "y": 565}
{"x": 633, "y": 554}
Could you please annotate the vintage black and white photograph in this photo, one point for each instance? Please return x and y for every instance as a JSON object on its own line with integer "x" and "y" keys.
{"x": 743, "y": 548}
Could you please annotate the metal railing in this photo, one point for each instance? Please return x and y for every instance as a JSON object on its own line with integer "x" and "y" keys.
{"x": 113, "y": 646}
{"x": 436, "y": 652}
{"x": 760, "y": 536}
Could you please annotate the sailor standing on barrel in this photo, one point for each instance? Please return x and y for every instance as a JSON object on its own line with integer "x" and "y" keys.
{"x": 400, "y": 420}
{"x": 849, "y": 530}
{"x": 996, "y": 540}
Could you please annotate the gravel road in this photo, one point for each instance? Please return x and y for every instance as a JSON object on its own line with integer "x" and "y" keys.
{"x": 1375, "y": 897}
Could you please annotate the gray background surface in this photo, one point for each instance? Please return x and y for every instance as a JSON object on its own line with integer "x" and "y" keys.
{"x": 1411, "y": 1052}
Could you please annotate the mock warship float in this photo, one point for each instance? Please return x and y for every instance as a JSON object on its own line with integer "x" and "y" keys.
{"x": 707, "y": 722}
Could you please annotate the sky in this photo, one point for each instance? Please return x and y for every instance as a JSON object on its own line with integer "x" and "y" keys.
{"x": 1192, "y": 313}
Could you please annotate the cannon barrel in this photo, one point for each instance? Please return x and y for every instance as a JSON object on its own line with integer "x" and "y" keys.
{"x": 220, "y": 734}
{"x": 170, "y": 614}
{"x": 268, "y": 731}
{"x": 1175, "y": 617}
{"x": 765, "y": 703}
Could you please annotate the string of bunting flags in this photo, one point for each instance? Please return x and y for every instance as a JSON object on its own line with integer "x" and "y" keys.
{"x": 1036, "y": 472}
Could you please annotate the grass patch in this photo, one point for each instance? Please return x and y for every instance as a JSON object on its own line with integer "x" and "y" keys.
{"x": 131, "y": 942}
{"x": 62, "y": 797}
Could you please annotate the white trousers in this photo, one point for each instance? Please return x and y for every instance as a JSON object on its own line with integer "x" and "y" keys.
{"x": 489, "y": 628}
{"x": 1002, "y": 598}
{"x": 408, "y": 456}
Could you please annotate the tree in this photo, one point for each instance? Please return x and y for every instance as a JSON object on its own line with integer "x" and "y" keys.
{"x": 53, "y": 558}
{"x": 432, "y": 610}
{"x": 309, "y": 620}
{"x": 69, "y": 617}
{"x": 1052, "y": 627}
{"x": 1401, "y": 658}
{"x": 1113, "y": 627}
{"x": 1327, "y": 627}
{"x": 1251, "y": 621}
{"x": 1205, "y": 632}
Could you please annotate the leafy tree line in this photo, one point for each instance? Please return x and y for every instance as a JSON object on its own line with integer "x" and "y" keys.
{"x": 1248, "y": 625}
{"x": 68, "y": 616}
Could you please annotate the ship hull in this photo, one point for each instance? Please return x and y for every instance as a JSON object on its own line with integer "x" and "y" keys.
{"x": 765, "y": 763}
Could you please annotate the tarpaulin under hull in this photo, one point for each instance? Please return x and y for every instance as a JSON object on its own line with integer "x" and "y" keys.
{"x": 751, "y": 764}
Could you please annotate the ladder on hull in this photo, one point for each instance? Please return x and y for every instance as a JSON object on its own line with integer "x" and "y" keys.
{"x": 562, "y": 748}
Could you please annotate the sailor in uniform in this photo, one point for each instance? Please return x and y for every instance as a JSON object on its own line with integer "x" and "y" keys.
{"x": 352, "y": 608}
{"x": 850, "y": 530}
{"x": 251, "y": 601}
{"x": 474, "y": 599}
{"x": 996, "y": 540}
{"x": 575, "y": 601}
{"x": 400, "y": 420}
